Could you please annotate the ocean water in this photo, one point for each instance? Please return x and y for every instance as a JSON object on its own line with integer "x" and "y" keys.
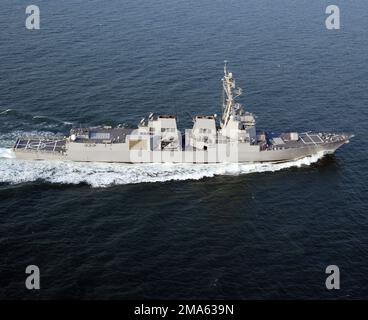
{"x": 105, "y": 231}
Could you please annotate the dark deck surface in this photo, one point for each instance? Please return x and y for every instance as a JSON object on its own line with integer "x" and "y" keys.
{"x": 117, "y": 135}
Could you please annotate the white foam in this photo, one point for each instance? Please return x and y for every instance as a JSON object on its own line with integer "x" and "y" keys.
{"x": 6, "y": 111}
{"x": 6, "y": 153}
{"x": 15, "y": 171}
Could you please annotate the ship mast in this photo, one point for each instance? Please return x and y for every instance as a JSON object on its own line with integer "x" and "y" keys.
{"x": 228, "y": 83}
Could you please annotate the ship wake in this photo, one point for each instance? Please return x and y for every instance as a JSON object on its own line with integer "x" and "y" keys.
{"x": 97, "y": 175}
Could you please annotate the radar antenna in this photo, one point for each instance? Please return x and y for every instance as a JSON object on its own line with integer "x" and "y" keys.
{"x": 230, "y": 94}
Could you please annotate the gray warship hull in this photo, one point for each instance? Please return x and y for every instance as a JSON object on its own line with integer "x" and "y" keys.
{"x": 231, "y": 139}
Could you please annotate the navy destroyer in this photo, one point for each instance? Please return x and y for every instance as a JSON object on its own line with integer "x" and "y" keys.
{"x": 230, "y": 138}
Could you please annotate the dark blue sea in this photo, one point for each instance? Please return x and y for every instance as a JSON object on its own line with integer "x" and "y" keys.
{"x": 105, "y": 231}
